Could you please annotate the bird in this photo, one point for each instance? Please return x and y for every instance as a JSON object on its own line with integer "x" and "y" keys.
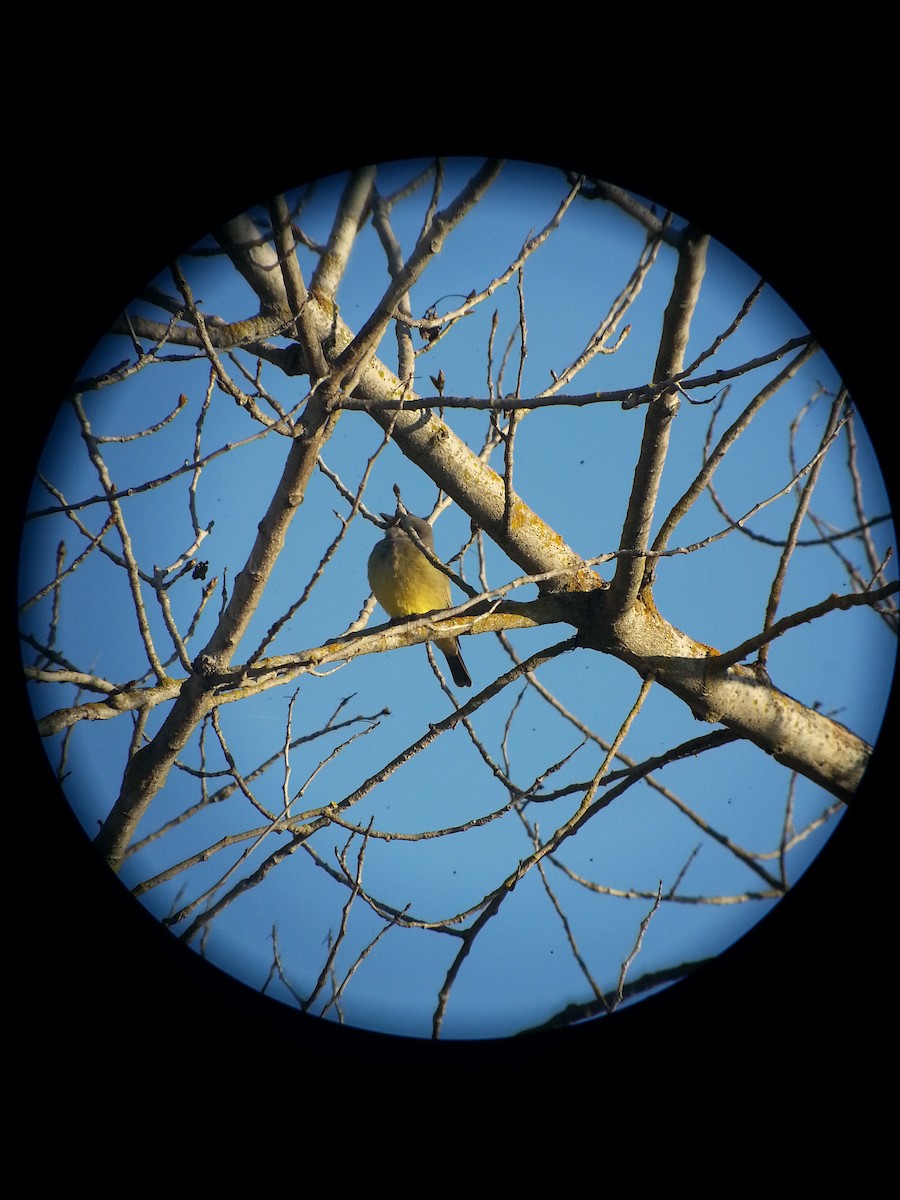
{"x": 406, "y": 584}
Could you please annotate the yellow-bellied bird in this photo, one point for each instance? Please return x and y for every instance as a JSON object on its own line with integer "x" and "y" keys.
{"x": 406, "y": 584}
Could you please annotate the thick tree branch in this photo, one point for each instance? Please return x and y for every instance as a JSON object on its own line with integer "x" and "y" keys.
{"x": 632, "y": 571}
{"x": 738, "y": 697}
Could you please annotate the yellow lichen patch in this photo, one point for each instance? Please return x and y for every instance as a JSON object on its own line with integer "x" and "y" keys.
{"x": 326, "y": 303}
{"x": 646, "y": 602}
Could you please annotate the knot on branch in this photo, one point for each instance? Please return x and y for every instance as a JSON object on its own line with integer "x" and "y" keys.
{"x": 206, "y": 666}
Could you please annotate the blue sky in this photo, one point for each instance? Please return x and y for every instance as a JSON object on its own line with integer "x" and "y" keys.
{"x": 573, "y": 467}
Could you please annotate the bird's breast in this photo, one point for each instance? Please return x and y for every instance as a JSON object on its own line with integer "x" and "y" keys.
{"x": 405, "y": 582}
